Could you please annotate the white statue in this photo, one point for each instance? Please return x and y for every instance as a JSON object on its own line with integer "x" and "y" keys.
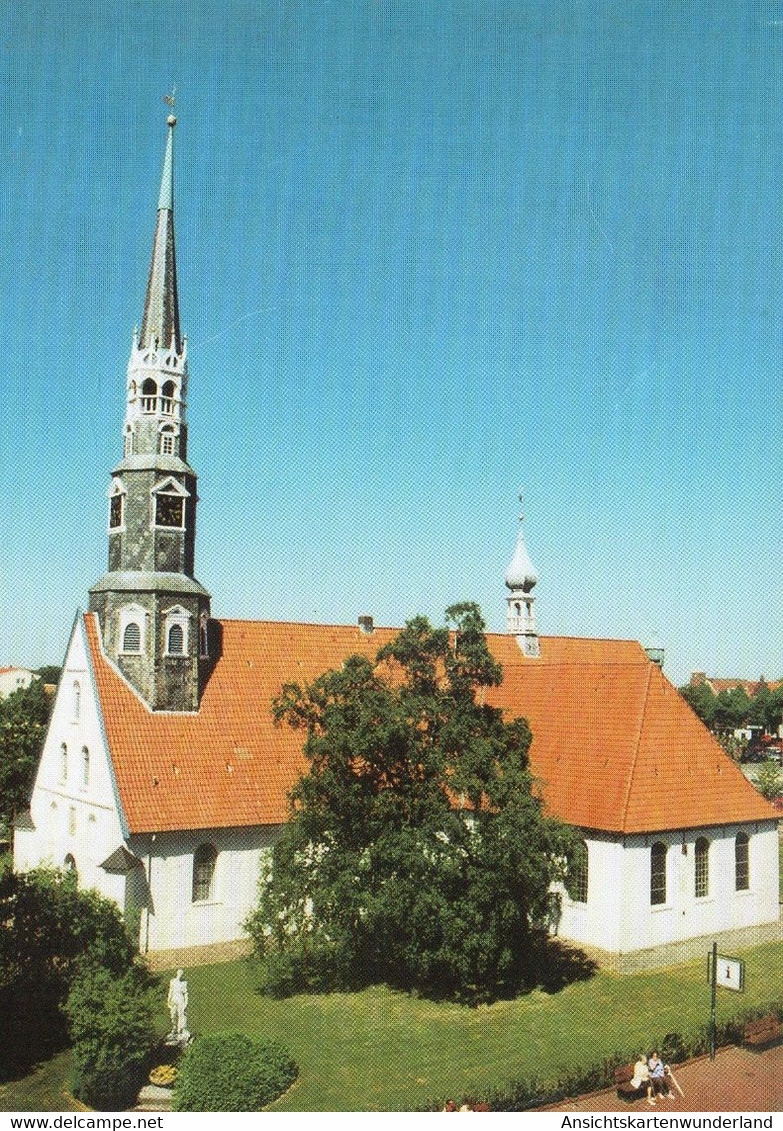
{"x": 178, "y": 1004}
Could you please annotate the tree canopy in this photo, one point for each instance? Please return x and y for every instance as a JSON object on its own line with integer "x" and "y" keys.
{"x": 24, "y": 716}
{"x": 732, "y": 708}
{"x": 417, "y": 852}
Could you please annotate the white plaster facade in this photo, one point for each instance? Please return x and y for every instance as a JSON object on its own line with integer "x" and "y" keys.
{"x": 619, "y": 916}
{"x": 78, "y": 823}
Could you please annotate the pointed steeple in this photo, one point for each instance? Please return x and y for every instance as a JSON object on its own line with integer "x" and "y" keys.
{"x": 160, "y": 321}
{"x": 521, "y": 578}
{"x": 154, "y": 614}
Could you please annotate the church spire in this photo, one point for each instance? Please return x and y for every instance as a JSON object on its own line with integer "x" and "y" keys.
{"x": 160, "y": 322}
{"x": 521, "y": 578}
{"x": 154, "y": 614}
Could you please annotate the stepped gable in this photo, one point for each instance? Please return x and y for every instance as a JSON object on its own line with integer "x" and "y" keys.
{"x": 614, "y": 746}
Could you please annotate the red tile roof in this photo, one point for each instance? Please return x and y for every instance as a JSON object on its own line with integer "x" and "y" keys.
{"x": 614, "y": 745}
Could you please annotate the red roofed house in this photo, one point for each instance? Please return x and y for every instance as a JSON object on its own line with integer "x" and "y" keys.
{"x": 163, "y": 781}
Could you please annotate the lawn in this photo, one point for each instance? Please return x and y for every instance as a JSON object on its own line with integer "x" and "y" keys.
{"x": 43, "y": 1089}
{"x": 380, "y": 1050}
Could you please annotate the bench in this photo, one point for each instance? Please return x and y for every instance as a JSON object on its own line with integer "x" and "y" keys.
{"x": 622, "y": 1081}
{"x": 762, "y": 1031}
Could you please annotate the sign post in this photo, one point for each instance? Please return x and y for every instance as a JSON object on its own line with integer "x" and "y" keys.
{"x": 729, "y": 973}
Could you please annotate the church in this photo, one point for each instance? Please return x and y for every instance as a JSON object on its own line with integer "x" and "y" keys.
{"x": 163, "y": 781}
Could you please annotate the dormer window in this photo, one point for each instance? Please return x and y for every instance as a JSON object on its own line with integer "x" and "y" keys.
{"x": 169, "y": 503}
{"x": 116, "y": 505}
{"x": 166, "y": 441}
{"x": 131, "y": 638}
{"x": 176, "y": 644}
{"x": 133, "y": 620}
{"x": 177, "y": 620}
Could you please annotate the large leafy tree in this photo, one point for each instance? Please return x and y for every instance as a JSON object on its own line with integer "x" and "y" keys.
{"x": 24, "y": 716}
{"x": 417, "y": 851}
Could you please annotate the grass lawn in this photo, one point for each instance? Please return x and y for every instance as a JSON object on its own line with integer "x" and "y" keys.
{"x": 43, "y": 1089}
{"x": 379, "y": 1050}
{"x": 385, "y": 1051}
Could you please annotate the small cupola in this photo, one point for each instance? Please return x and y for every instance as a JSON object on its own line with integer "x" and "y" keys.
{"x": 521, "y": 578}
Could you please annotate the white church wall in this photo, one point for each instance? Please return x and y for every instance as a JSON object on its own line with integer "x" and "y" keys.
{"x": 178, "y": 920}
{"x": 595, "y": 923}
{"x": 619, "y": 916}
{"x": 73, "y": 806}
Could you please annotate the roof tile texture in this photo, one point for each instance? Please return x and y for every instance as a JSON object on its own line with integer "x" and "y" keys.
{"x": 615, "y": 747}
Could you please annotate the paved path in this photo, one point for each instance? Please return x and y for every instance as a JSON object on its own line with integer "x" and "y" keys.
{"x": 737, "y": 1080}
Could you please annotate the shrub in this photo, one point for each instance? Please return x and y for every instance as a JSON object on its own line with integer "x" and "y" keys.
{"x": 48, "y": 930}
{"x": 111, "y": 1025}
{"x": 232, "y": 1072}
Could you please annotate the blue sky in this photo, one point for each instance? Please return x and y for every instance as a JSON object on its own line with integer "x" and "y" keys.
{"x": 427, "y": 252}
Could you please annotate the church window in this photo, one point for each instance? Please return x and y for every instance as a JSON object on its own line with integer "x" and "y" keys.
{"x": 127, "y": 442}
{"x": 577, "y": 876}
{"x": 741, "y": 863}
{"x": 658, "y": 873}
{"x": 167, "y": 441}
{"x": 63, "y": 763}
{"x": 204, "y": 860}
{"x": 69, "y": 864}
{"x": 149, "y": 395}
{"x": 77, "y": 700}
{"x": 702, "y": 877}
{"x": 176, "y": 641}
{"x": 203, "y": 637}
{"x": 85, "y": 767}
{"x": 131, "y": 637}
{"x": 169, "y": 510}
{"x": 72, "y": 821}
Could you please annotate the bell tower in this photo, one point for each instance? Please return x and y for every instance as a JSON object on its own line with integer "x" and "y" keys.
{"x": 153, "y": 612}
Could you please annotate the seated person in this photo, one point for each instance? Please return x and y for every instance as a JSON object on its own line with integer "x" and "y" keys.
{"x": 640, "y": 1081}
{"x": 660, "y": 1085}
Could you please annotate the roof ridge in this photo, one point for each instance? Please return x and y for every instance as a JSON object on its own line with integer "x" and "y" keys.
{"x": 636, "y": 745}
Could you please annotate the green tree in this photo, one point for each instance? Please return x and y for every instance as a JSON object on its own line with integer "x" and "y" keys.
{"x": 49, "y": 673}
{"x": 701, "y": 700}
{"x": 769, "y": 780}
{"x": 24, "y": 716}
{"x": 731, "y": 710}
{"x": 111, "y": 1026}
{"x": 417, "y": 851}
{"x": 48, "y": 931}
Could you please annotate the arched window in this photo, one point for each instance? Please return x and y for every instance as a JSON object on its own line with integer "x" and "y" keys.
{"x": 127, "y": 441}
{"x": 702, "y": 875}
{"x": 204, "y": 860}
{"x": 77, "y": 700}
{"x": 149, "y": 395}
{"x": 167, "y": 397}
{"x": 741, "y": 862}
{"x": 577, "y": 877}
{"x": 131, "y": 637}
{"x": 176, "y": 642}
{"x": 658, "y": 873}
{"x": 69, "y": 864}
{"x": 85, "y": 767}
{"x": 63, "y": 763}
